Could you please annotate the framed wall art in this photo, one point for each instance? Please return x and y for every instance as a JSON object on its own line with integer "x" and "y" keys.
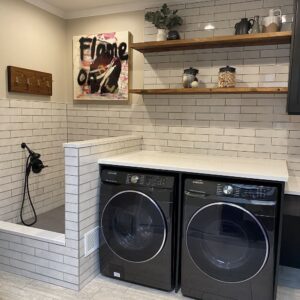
{"x": 101, "y": 66}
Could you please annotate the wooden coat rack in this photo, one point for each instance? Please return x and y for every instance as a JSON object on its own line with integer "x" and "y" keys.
{"x": 27, "y": 81}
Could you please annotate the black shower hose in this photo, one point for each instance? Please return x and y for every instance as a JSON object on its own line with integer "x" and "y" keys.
{"x": 26, "y": 188}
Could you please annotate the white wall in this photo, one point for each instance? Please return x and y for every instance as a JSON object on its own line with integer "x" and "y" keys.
{"x": 33, "y": 39}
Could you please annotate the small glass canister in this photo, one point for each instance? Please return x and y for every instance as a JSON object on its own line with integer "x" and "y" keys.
{"x": 189, "y": 76}
{"x": 226, "y": 77}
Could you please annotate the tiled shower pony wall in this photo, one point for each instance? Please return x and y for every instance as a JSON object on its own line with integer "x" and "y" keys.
{"x": 82, "y": 191}
{"x": 42, "y": 125}
{"x": 232, "y": 125}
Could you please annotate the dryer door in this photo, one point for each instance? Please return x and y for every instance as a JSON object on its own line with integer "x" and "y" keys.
{"x": 134, "y": 226}
{"x": 227, "y": 242}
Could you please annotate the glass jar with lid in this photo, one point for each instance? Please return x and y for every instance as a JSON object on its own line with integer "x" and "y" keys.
{"x": 226, "y": 77}
{"x": 189, "y": 76}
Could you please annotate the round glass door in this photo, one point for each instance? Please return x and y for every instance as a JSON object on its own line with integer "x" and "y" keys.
{"x": 133, "y": 226}
{"x": 227, "y": 242}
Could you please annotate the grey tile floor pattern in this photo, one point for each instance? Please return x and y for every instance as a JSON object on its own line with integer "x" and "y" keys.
{"x": 52, "y": 220}
{"x": 14, "y": 287}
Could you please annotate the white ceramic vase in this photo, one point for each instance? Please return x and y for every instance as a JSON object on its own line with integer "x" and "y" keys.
{"x": 161, "y": 34}
{"x": 273, "y": 22}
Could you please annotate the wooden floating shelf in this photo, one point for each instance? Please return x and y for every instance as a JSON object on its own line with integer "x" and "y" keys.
{"x": 215, "y": 42}
{"x": 188, "y": 91}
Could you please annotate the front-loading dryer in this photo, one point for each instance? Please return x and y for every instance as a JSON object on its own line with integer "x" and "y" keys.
{"x": 136, "y": 221}
{"x": 229, "y": 245}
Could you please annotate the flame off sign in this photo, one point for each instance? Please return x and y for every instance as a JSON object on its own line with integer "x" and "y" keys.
{"x": 100, "y": 66}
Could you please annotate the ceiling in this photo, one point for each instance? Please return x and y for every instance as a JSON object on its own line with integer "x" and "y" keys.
{"x": 70, "y": 9}
{"x": 73, "y": 5}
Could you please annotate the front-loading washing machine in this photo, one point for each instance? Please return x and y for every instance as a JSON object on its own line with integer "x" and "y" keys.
{"x": 229, "y": 244}
{"x": 137, "y": 233}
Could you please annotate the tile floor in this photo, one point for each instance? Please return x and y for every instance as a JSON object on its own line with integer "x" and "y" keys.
{"x": 52, "y": 220}
{"x": 13, "y": 287}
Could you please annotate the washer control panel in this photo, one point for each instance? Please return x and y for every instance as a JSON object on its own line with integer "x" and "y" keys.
{"x": 137, "y": 179}
{"x": 148, "y": 180}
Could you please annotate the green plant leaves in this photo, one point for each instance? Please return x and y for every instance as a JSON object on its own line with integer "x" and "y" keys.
{"x": 164, "y": 18}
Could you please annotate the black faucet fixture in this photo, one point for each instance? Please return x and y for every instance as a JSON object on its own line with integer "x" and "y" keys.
{"x": 34, "y": 163}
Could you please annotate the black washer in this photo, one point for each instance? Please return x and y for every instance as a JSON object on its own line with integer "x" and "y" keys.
{"x": 134, "y": 226}
{"x": 136, "y": 218}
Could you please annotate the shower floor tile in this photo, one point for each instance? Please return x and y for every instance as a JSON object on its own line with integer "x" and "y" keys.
{"x": 53, "y": 220}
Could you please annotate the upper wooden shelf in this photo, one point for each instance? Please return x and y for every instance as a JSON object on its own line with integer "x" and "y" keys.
{"x": 236, "y": 90}
{"x": 215, "y": 42}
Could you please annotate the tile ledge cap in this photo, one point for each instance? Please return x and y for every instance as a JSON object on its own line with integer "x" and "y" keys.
{"x": 50, "y": 237}
{"x": 101, "y": 141}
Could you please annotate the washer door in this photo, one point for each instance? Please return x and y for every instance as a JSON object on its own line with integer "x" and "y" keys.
{"x": 133, "y": 226}
{"x": 227, "y": 242}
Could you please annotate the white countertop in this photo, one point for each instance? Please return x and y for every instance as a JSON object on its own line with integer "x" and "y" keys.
{"x": 265, "y": 169}
{"x": 293, "y": 186}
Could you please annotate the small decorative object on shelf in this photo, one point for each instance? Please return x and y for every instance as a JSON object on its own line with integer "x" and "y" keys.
{"x": 173, "y": 35}
{"x": 161, "y": 34}
{"x": 189, "y": 77}
{"x": 195, "y": 84}
{"x": 243, "y": 26}
{"x": 164, "y": 19}
{"x": 256, "y": 26}
{"x": 226, "y": 77}
{"x": 273, "y": 22}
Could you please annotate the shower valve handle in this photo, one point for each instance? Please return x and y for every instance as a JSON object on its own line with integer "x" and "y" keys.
{"x": 37, "y": 165}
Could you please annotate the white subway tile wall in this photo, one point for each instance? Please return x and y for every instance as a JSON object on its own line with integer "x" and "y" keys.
{"x": 39, "y": 260}
{"x": 230, "y": 125}
{"x": 43, "y": 126}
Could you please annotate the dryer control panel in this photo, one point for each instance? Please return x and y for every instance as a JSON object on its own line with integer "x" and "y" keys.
{"x": 255, "y": 192}
{"x": 231, "y": 190}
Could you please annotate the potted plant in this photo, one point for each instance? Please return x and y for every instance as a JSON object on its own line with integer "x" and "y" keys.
{"x": 164, "y": 19}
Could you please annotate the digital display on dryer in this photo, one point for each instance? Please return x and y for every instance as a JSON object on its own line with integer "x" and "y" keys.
{"x": 251, "y": 192}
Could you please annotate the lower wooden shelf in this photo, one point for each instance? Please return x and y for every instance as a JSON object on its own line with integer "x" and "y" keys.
{"x": 236, "y": 90}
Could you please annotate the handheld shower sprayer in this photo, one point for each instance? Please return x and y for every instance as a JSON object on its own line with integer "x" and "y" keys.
{"x": 24, "y": 145}
{"x": 34, "y": 163}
